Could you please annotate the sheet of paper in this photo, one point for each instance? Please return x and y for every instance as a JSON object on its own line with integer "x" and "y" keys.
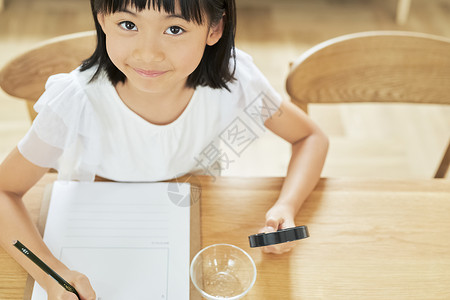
{"x": 130, "y": 239}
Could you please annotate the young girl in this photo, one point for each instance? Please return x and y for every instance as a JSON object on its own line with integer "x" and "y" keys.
{"x": 164, "y": 83}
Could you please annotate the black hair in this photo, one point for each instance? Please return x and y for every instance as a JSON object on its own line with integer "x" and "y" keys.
{"x": 214, "y": 69}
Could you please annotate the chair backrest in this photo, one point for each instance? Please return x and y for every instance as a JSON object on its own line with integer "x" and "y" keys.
{"x": 377, "y": 66}
{"x": 25, "y": 76}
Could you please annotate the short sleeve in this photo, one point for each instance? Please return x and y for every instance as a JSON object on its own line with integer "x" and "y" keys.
{"x": 65, "y": 133}
{"x": 258, "y": 98}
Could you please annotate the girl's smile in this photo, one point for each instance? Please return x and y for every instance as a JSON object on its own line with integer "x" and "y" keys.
{"x": 150, "y": 73}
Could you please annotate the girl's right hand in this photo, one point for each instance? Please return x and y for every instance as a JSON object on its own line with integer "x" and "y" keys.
{"x": 79, "y": 281}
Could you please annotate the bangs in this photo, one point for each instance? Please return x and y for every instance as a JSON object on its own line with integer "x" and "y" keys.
{"x": 191, "y": 10}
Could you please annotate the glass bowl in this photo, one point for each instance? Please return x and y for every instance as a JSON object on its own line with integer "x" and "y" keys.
{"x": 223, "y": 271}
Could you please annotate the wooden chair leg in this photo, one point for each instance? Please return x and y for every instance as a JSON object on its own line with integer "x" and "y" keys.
{"x": 402, "y": 11}
{"x": 443, "y": 167}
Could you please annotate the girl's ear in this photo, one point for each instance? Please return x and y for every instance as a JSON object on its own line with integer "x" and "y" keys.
{"x": 215, "y": 33}
{"x": 101, "y": 20}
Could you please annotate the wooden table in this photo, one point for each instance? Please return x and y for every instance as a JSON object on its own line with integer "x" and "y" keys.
{"x": 370, "y": 239}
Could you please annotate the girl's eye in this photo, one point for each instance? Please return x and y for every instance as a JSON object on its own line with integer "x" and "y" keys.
{"x": 174, "y": 30}
{"x": 127, "y": 25}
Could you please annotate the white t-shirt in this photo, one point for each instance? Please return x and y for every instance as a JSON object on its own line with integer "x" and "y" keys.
{"x": 84, "y": 129}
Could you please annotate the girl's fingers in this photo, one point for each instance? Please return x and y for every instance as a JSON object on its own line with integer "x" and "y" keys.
{"x": 273, "y": 223}
{"x": 278, "y": 249}
{"x": 65, "y": 296}
{"x": 84, "y": 288}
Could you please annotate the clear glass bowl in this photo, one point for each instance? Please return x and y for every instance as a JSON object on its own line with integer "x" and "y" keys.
{"x": 223, "y": 271}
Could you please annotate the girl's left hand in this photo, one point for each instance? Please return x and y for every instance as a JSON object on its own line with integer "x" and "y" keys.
{"x": 278, "y": 217}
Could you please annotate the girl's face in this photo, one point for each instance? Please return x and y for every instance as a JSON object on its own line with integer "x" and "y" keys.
{"x": 155, "y": 50}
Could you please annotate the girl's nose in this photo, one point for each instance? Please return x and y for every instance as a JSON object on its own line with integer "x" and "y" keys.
{"x": 148, "y": 50}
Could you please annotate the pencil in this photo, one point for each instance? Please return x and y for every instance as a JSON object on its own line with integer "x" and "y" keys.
{"x": 44, "y": 267}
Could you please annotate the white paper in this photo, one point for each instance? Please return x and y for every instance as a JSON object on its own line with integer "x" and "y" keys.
{"x": 130, "y": 239}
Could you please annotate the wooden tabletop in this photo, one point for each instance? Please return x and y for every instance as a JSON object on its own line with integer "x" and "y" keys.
{"x": 370, "y": 239}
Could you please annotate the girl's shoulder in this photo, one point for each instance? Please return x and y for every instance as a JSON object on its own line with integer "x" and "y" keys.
{"x": 249, "y": 80}
{"x": 247, "y": 74}
{"x": 65, "y": 119}
{"x": 244, "y": 63}
{"x": 63, "y": 87}
{"x": 66, "y": 94}
{"x": 76, "y": 81}
{"x": 64, "y": 109}
{"x": 249, "y": 93}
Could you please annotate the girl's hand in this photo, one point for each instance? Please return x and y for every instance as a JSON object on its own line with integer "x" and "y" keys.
{"x": 278, "y": 217}
{"x": 79, "y": 281}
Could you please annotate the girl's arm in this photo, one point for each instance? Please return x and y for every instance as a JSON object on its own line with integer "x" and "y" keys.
{"x": 17, "y": 176}
{"x": 309, "y": 149}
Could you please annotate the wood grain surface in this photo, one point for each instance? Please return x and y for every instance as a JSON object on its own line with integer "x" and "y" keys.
{"x": 375, "y": 66}
{"x": 370, "y": 239}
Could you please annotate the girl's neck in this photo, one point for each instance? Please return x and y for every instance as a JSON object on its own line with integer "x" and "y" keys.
{"x": 156, "y": 108}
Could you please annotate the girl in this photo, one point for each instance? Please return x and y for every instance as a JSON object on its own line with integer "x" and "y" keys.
{"x": 164, "y": 83}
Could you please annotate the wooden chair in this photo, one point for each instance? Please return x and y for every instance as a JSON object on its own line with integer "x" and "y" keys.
{"x": 403, "y": 7}
{"x": 25, "y": 76}
{"x": 379, "y": 66}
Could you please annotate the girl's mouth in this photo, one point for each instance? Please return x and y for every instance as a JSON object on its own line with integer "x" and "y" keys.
{"x": 149, "y": 73}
